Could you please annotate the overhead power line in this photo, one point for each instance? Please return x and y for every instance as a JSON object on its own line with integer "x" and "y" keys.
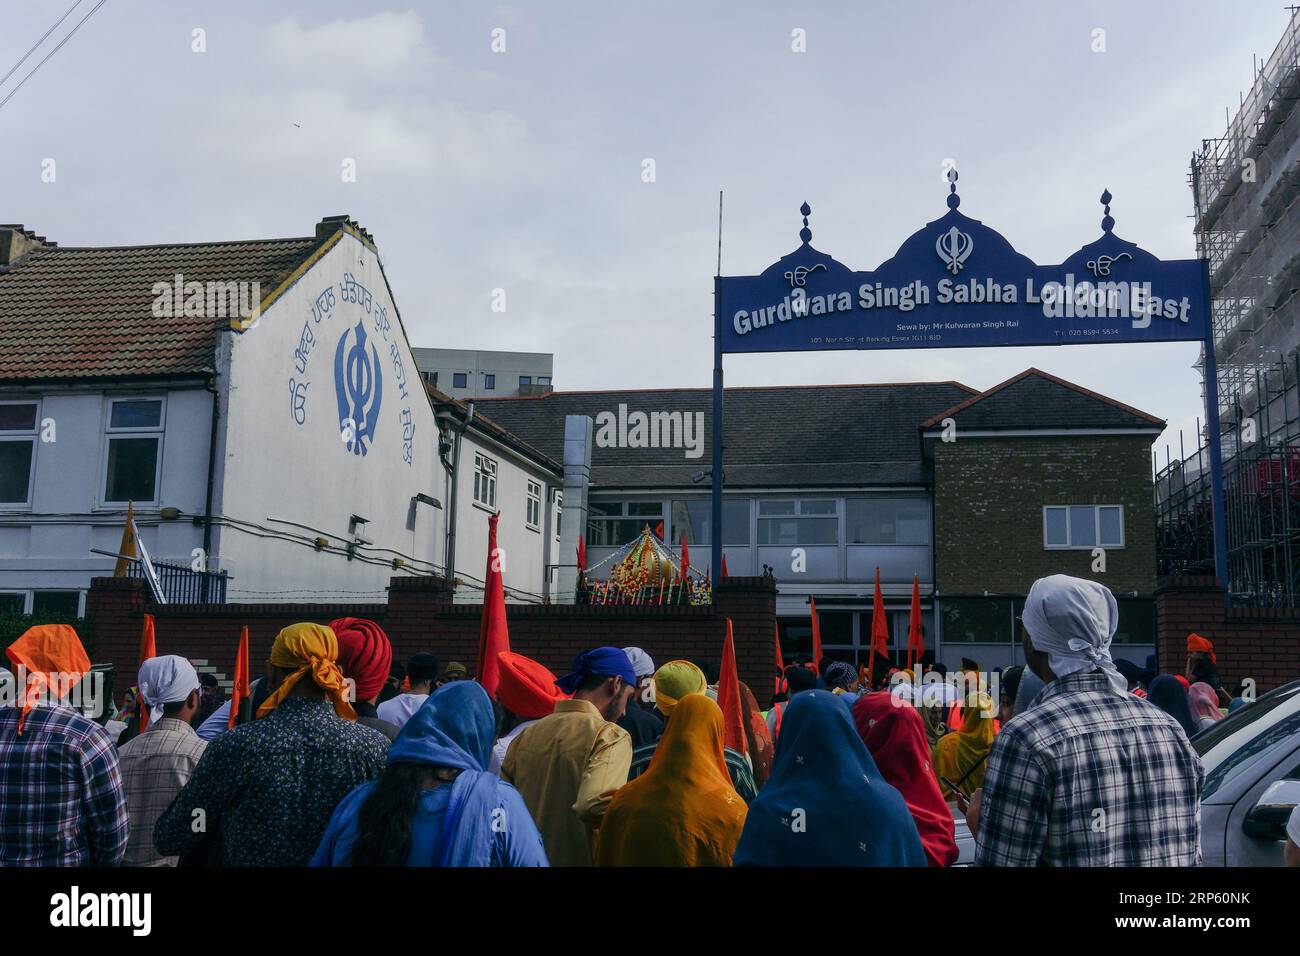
{"x": 71, "y": 33}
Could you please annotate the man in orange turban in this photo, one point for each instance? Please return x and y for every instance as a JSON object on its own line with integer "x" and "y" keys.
{"x": 527, "y": 691}
{"x": 1201, "y": 666}
{"x": 58, "y": 769}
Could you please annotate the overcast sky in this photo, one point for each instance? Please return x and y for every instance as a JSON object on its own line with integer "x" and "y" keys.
{"x": 522, "y": 170}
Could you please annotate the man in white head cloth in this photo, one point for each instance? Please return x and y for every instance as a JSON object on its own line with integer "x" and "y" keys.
{"x": 158, "y": 763}
{"x": 639, "y": 719}
{"x": 1089, "y": 775}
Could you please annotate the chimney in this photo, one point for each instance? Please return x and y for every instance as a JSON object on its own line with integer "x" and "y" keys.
{"x": 16, "y": 242}
{"x": 332, "y": 224}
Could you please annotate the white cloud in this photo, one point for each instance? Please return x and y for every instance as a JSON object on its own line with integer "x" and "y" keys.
{"x": 379, "y": 46}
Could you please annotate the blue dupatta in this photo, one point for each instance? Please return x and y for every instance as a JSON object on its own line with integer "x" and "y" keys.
{"x": 826, "y": 803}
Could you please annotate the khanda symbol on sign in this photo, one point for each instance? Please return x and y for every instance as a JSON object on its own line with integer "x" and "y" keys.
{"x": 954, "y": 247}
{"x": 359, "y": 388}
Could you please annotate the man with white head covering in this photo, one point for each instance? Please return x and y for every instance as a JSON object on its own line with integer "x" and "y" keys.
{"x": 639, "y": 719}
{"x": 1089, "y": 775}
{"x": 158, "y": 763}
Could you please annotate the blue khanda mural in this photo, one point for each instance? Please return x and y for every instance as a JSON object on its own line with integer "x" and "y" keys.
{"x": 359, "y": 389}
{"x": 956, "y": 283}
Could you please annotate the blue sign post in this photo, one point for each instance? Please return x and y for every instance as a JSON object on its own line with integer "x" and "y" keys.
{"x": 956, "y": 283}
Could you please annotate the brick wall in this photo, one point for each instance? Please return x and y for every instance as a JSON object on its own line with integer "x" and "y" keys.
{"x": 420, "y": 616}
{"x": 1259, "y": 643}
{"x": 989, "y": 495}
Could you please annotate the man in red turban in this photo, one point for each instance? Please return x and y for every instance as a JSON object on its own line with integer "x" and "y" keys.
{"x": 365, "y": 656}
{"x": 528, "y": 692}
{"x": 1201, "y": 666}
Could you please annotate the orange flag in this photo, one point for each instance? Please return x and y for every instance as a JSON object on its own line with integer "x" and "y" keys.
{"x": 240, "y": 691}
{"x": 879, "y": 629}
{"x": 817, "y": 637}
{"x": 733, "y": 715}
{"x": 493, "y": 638}
{"x": 780, "y": 662}
{"x": 148, "y": 649}
{"x": 915, "y": 634}
{"x": 723, "y": 575}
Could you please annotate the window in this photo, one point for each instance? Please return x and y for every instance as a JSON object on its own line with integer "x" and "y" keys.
{"x": 791, "y": 521}
{"x": 614, "y": 523}
{"x": 543, "y": 380}
{"x": 18, "y": 422}
{"x": 12, "y": 602}
{"x": 460, "y": 380}
{"x": 135, "y": 431}
{"x": 694, "y": 518}
{"x": 485, "y": 480}
{"x": 978, "y": 621}
{"x": 533, "y": 508}
{"x": 56, "y": 602}
{"x": 559, "y": 514}
{"x": 1083, "y": 526}
{"x": 525, "y": 380}
{"x": 1137, "y": 622}
{"x": 887, "y": 520}
{"x": 489, "y": 381}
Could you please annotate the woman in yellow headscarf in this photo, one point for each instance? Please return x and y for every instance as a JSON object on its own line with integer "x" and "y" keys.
{"x": 308, "y": 651}
{"x": 962, "y": 757}
{"x": 683, "y": 811}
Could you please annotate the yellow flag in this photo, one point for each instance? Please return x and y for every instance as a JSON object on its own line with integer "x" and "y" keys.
{"x": 127, "y": 547}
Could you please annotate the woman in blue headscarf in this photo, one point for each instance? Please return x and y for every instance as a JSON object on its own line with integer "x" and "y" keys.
{"x": 825, "y": 803}
{"x": 1170, "y": 695}
{"x": 436, "y": 804}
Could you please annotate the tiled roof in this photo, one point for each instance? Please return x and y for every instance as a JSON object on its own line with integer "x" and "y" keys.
{"x": 493, "y": 428}
{"x": 806, "y": 436}
{"x": 80, "y": 313}
{"x": 1036, "y": 400}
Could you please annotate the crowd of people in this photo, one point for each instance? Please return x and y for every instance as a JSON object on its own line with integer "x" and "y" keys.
{"x": 343, "y": 757}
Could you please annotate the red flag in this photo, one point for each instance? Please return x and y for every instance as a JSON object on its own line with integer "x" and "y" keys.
{"x": 879, "y": 628}
{"x": 733, "y": 715}
{"x": 582, "y": 553}
{"x": 147, "y": 650}
{"x": 915, "y": 635}
{"x": 659, "y": 531}
{"x": 817, "y": 637}
{"x": 239, "y": 691}
{"x": 686, "y": 557}
{"x": 723, "y": 576}
{"x": 780, "y": 662}
{"x": 492, "y": 634}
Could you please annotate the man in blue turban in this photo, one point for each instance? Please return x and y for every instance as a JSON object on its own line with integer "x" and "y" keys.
{"x": 568, "y": 765}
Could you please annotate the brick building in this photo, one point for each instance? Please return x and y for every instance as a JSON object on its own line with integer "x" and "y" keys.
{"x": 825, "y": 484}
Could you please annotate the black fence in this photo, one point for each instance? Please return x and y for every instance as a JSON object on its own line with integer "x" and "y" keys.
{"x": 184, "y": 585}
{"x": 1261, "y": 481}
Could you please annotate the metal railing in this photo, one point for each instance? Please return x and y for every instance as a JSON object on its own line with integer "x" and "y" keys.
{"x": 181, "y": 584}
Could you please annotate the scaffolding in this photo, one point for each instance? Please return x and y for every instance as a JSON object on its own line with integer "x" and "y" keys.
{"x": 1246, "y": 189}
{"x": 1261, "y": 483}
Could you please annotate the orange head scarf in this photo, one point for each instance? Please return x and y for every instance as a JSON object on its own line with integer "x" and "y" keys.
{"x": 309, "y": 650}
{"x": 683, "y": 811}
{"x": 46, "y": 651}
{"x": 1197, "y": 643}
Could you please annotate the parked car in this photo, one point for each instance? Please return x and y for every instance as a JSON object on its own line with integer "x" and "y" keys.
{"x": 1252, "y": 780}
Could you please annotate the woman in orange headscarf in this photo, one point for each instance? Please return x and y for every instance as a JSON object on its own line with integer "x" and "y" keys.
{"x": 683, "y": 811}
{"x": 962, "y": 758}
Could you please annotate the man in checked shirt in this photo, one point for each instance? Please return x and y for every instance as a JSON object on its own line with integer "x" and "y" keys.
{"x": 1089, "y": 775}
{"x": 61, "y": 796}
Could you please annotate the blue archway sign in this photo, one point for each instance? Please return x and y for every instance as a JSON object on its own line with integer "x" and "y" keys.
{"x": 956, "y": 283}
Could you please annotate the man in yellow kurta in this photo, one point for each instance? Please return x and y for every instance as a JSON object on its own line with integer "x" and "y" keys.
{"x": 568, "y": 765}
